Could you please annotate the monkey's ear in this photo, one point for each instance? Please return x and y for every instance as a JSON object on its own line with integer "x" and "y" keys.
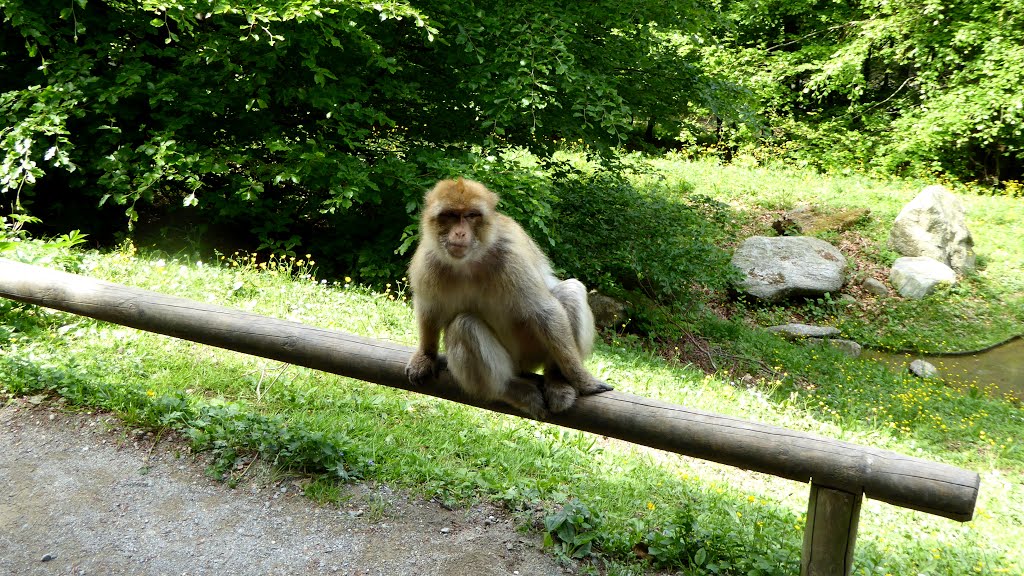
{"x": 477, "y": 190}
{"x": 488, "y": 196}
{"x": 491, "y": 199}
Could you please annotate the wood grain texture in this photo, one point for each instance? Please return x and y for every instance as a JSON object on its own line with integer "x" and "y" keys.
{"x": 831, "y": 532}
{"x": 905, "y": 481}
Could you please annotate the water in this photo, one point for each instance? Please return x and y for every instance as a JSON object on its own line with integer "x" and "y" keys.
{"x": 1002, "y": 366}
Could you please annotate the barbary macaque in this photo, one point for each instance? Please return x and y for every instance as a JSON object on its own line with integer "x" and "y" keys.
{"x": 481, "y": 279}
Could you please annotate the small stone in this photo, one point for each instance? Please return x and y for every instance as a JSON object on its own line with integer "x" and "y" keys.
{"x": 848, "y": 347}
{"x": 923, "y": 369}
{"x": 608, "y": 312}
{"x": 797, "y": 331}
{"x": 875, "y": 287}
{"x": 445, "y": 530}
{"x": 48, "y": 557}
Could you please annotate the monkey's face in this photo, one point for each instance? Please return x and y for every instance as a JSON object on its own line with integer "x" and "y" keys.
{"x": 459, "y": 231}
{"x": 458, "y": 214}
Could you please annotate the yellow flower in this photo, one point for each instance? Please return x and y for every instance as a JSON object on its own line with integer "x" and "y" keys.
{"x": 347, "y": 279}
{"x": 650, "y": 505}
{"x": 150, "y": 393}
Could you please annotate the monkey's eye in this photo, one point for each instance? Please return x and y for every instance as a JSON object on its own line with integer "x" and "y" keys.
{"x": 448, "y": 217}
{"x": 473, "y": 215}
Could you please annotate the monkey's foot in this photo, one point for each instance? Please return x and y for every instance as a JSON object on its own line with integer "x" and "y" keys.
{"x": 560, "y": 395}
{"x": 527, "y": 397}
{"x": 422, "y": 368}
{"x": 593, "y": 386}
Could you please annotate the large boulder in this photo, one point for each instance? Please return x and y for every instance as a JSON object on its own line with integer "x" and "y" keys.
{"x": 932, "y": 225}
{"x": 774, "y": 269}
{"x": 918, "y": 277}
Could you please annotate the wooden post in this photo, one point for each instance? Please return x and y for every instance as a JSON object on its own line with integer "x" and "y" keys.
{"x": 831, "y": 532}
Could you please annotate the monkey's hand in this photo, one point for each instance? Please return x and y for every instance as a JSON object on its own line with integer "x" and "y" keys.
{"x": 423, "y": 367}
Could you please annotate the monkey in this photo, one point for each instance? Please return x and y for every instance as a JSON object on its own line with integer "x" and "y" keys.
{"x": 477, "y": 276}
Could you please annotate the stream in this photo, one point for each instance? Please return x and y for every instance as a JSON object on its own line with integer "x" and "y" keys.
{"x": 1002, "y": 366}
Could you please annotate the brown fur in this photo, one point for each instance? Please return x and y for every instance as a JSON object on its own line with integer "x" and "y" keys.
{"x": 481, "y": 279}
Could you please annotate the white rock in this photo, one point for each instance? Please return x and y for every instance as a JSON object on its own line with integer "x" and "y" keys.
{"x": 932, "y": 225}
{"x": 916, "y": 277}
{"x": 923, "y": 369}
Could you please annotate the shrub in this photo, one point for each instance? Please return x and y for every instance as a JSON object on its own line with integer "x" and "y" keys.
{"x": 617, "y": 238}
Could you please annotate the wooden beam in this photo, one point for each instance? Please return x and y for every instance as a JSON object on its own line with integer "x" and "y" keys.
{"x": 905, "y": 481}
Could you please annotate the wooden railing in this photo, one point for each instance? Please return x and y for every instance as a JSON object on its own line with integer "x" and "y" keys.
{"x": 840, "y": 474}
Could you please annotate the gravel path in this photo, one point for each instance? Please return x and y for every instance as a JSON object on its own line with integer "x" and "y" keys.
{"x": 81, "y": 494}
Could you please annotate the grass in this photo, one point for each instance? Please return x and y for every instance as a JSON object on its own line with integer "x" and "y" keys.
{"x": 630, "y": 505}
{"x": 985, "y": 308}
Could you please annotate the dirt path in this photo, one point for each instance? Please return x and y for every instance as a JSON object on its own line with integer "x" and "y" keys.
{"x": 80, "y": 494}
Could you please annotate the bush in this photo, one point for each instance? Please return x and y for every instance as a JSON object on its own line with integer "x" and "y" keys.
{"x": 305, "y": 126}
{"x": 618, "y": 239}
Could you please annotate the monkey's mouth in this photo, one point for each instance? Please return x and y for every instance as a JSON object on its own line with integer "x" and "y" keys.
{"x": 458, "y": 250}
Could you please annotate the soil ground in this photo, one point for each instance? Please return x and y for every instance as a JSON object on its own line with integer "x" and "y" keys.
{"x": 82, "y": 494}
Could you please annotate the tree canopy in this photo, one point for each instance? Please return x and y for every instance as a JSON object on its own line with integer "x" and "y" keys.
{"x": 276, "y": 115}
{"x": 297, "y": 122}
{"x": 924, "y": 86}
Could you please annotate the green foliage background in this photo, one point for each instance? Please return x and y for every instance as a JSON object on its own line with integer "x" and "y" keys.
{"x": 301, "y": 126}
{"x": 918, "y": 87}
{"x": 314, "y": 126}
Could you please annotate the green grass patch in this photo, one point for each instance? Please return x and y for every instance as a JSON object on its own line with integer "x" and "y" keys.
{"x": 620, "y": 507}
{"x": 985, "y": 308}
{"x": 640, "y": 506}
